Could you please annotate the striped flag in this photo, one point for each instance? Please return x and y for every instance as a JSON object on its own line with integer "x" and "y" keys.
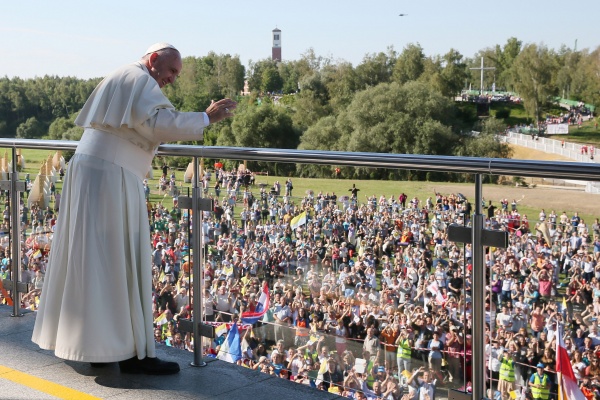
{"x": 221, "y": 330}
{"x": 231, "y": 349}
{"x": 298, "y": 220}
{"x": 261, "y": 307}
{"x": 161, "y": 319}
{"x": 567, "y": 384}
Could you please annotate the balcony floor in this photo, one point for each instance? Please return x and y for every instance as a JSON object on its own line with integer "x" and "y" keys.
{"x": 22, "y": 362}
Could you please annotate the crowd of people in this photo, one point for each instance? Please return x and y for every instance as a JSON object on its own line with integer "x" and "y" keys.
{"x": 368, "y": 297}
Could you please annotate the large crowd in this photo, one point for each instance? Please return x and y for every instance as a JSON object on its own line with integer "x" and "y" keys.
{"x": 368, "y": 297}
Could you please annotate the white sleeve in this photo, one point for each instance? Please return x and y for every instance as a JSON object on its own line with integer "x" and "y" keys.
{"x": 172, "y": 125}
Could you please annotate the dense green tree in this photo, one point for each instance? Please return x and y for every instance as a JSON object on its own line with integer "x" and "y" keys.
{"x": 58, "y": 127}
{"x": 264, "y": 126}
{"x": 485, "y": 143}
{"x": 410, "y": 64}
{"x": 4, "y": 129}
{"x": 376, "y": 68}
{"x": 271, "y": 81}
{"x": 293, "y": 72}
{"x": 453, "y": 74}
{"x": 324, "y": 135}
{"x": 308, "y": 108}
{"x": 390, "y": 118}
{"x": 504, "y": 60}
{"x": 341, "y": 82}
{"x": 311, "y": 103}
{"x": 30, "y": 129}
{"x": 567, "y": 65}
{"x": 73, "y": 133}
{"x": 204, "y": 79}
{"x": 534, "y": 68}
{"x": 255, "y": 73}
{"x": 64, "y": 128}
{"x": 290, "y": 76}
{"x": 586, "y": 79}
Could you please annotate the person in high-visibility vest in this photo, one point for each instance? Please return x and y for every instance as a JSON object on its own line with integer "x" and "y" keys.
{"x": 540, "y": 383}
{"x": 506, "y": 384}
{"x": 369, "y": 372}
{"x": 404, "y": 352}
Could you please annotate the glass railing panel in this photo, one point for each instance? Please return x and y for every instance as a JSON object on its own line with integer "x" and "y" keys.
{"x": 359, "y": 266}
{"x": 544, "y": 281}
{"x": 373, "y": 226}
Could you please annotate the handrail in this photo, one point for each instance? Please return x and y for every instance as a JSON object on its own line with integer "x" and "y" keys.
{"x": 471, "y": 165}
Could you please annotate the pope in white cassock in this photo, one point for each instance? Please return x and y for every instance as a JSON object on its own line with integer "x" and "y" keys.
{"x": 96, "y": 303}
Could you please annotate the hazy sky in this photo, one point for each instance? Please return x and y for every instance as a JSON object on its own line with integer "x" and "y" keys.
{"x": 89, "y": 39}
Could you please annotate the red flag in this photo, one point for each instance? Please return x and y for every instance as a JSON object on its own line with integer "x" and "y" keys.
{"x": 567, "y": 384}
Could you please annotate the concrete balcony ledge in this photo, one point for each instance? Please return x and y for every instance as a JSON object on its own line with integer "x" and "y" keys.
{"x": 218, "y": 380}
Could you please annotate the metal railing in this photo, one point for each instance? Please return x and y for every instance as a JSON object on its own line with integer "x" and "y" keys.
{"x": 468, "y": 165}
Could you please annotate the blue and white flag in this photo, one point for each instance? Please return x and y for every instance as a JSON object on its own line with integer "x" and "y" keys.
{"x": 262, "y": 306}
{"x": 231, "y": 349}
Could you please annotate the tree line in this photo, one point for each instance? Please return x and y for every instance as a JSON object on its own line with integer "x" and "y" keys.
{"x": 400, "y": 102}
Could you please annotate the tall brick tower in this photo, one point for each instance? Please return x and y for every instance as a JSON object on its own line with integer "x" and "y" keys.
{"x": 276, "y": 51}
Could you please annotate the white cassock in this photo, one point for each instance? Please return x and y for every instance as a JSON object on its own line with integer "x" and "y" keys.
{"x": 96, "y": 303}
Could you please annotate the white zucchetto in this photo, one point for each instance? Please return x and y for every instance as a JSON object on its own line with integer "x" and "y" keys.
{"x": 159, "y": 46}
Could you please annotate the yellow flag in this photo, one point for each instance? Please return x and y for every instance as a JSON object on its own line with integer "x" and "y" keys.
{"x": 161, "y": 319}
{"x": 298, "y": 220}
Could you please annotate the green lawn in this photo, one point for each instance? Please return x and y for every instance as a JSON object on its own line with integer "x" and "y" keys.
{"x": 587, "y": 134}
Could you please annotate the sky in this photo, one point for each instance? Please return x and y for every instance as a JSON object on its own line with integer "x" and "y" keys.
{"x": 90, "y": 39}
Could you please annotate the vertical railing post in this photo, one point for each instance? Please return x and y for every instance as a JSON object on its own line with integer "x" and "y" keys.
{"x": 478, "y": 296}
{"x": 198, "y": 249}
{"x": 15, "y": 231}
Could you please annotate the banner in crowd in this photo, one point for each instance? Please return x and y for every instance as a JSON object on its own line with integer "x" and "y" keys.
{"x": 251, "y": 317}
{"x": 298, "y": 220}
{"x": 544, "y": 229}
{"x": 557, "y": 129}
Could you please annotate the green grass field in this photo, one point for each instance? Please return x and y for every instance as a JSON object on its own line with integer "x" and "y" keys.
{"x": 588, "y": 133}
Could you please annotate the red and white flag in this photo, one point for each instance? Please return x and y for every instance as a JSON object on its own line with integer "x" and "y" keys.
{"x": 434, "y": 289}
{"x": 567, "y": 383}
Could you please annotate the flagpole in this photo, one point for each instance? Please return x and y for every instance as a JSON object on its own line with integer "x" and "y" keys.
{"x": 559, "y": 377}
{"x": 478, "y": 297}
{"x": 196, "y": 246}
